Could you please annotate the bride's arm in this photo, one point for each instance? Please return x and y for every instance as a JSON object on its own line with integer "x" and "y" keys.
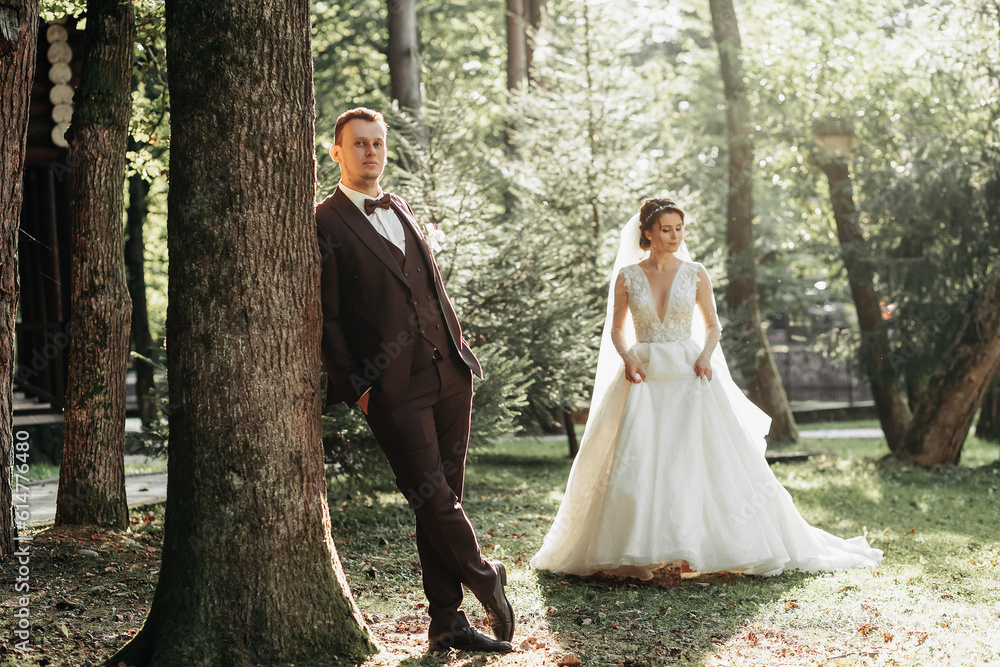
{"x": 633, "y": 371}
{"x": 713, "y": 328}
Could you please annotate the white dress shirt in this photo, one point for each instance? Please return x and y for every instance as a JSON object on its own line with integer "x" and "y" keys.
{"x": 384, "y": 220}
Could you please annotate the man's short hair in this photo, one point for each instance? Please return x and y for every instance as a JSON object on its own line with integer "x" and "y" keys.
{"x": 363, "y": 113}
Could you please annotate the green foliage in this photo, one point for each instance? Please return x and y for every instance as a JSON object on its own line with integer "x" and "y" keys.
{"x": 52, "y": 10}
{"x": 625, "y": 103}
{"x": 351, "y": 450}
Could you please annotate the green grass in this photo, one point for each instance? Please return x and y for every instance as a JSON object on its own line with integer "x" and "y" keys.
{"x": 42, "y": 470}
{"x": 857, "y": 423}
{"x": 934, "y": 600}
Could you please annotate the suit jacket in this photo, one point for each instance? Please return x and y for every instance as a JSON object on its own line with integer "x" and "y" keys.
{"x": 369, "y": 323}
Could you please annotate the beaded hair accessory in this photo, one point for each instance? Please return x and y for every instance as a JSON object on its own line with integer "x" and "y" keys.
{"x": 662, "y": 207}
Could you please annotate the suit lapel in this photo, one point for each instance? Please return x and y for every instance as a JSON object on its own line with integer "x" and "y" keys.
{"x": 360, "y": 225}
{"x": 404, "y": 216}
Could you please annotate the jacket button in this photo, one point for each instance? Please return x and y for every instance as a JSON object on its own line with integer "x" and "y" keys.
{"x": 407, "y": 275}
{"x": 423, "y": 331}
{"x": 428, "y": 297}
{"x": 437, "y": 326}
{"x": 418, "y": 269}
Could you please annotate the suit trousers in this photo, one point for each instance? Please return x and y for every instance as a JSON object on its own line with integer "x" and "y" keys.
{"x": 426, "y": 439}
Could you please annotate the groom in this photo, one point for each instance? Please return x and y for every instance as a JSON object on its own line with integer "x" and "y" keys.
{"x": 393, "y": 346}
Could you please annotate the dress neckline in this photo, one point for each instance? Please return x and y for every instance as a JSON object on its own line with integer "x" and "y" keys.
{"x": 670, "y": 292}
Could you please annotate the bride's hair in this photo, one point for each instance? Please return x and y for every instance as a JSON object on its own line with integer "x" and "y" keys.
{"x": 651, "y": 212}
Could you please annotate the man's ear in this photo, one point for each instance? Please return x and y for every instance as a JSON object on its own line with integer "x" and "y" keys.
{"x": 335, "y": 152}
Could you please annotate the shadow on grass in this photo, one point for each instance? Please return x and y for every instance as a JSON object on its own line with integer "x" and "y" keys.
{"x": 666, "y": 620}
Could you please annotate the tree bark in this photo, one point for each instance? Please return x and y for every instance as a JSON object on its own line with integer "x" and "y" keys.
{"x": 534, "y": 12}
{"x": 766, "y": 389}
{"x": 92, "y": 470}
{"x": 941, "y": 423}
{"x": 18, "y": 44}
{"x": 404, "y": 55}
{"x": 517, "y": 45}
{"x": 893, "y": 411}
{"x": 250, "y": 574}
{"x": 142, "y": 341}
{"x": 404, "y": 76}
{"x": 988, "y": 426}
{"x": 574, "y": 446}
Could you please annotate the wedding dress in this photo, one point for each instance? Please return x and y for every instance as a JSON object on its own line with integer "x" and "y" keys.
{"x": 673, "y": 468}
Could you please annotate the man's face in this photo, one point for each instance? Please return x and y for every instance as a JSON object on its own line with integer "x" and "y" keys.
{"x": 361, "y": 153}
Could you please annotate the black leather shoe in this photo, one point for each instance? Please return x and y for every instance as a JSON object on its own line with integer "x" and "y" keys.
{"x": 498, "y": 609}
{"x": 468, "y": 639}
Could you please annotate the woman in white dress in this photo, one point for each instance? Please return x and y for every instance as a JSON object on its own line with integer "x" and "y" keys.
{"x": 671, "y": 467}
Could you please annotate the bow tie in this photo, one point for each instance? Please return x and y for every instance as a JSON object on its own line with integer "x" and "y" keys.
{"x": 381, "y": 202}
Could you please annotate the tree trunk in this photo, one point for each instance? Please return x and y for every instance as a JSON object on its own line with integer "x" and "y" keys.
{"x": 142, "y": 342}
{"x": 534, "y": 12}
{"x": 18, "y": 44}
{"x": 988, "y": 426}
{"x": 517, "y": 45}
{"x": 92, "y": 471}
{"x": 404, "y": 76}
{"x": 250, "y": 574}
{"x": 893, "y": 411}
{"x": 941, "y": 422}
{"x": 574, "y": 446}
{"x": 766, "y": 389}
{"x": 404, "y": 55}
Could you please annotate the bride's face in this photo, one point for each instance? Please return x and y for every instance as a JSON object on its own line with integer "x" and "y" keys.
{"x": 667, "y": 233}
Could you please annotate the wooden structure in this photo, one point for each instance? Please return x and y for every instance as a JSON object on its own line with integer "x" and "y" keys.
{"x": 45, "y": 323}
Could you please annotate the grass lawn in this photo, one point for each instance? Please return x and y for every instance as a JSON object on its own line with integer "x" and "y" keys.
{"x": 935, "y": 599}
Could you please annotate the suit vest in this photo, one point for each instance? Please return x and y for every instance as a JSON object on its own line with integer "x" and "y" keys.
{"x": 431, "y": 340}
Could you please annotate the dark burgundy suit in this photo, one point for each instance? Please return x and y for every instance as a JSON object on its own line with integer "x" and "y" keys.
{"x": 389, "y": 327}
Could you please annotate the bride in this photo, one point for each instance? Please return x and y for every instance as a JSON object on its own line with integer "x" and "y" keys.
{"x": 671, "y": 467}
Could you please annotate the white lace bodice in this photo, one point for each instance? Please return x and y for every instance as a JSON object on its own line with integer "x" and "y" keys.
{"x": 676, "y": 323}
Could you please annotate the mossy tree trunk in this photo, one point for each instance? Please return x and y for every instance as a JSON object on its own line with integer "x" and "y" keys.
{"x": 954, "y": 391}
{"x": 757, "y": 363}
{"x": 250, "y": 574}
{"x": 890, "y": 404}
{"x": 18, "y": 43}
{"x": 92, "y": 470}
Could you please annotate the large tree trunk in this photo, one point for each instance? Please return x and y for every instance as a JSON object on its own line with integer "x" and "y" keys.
{"x": 941, "y": 422}
{"x": 18, "y": 43}
{"x": 142, "y": 342}
{"x": 988, "y": 426}
{"x": 92, "y": 470}
{"x": 893, "y": 411}
{"x": 766, "y": 389}
{"x": 250, "y": 573}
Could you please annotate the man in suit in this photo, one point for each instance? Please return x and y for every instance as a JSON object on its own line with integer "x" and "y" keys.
{"x": 393, "y": 346}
